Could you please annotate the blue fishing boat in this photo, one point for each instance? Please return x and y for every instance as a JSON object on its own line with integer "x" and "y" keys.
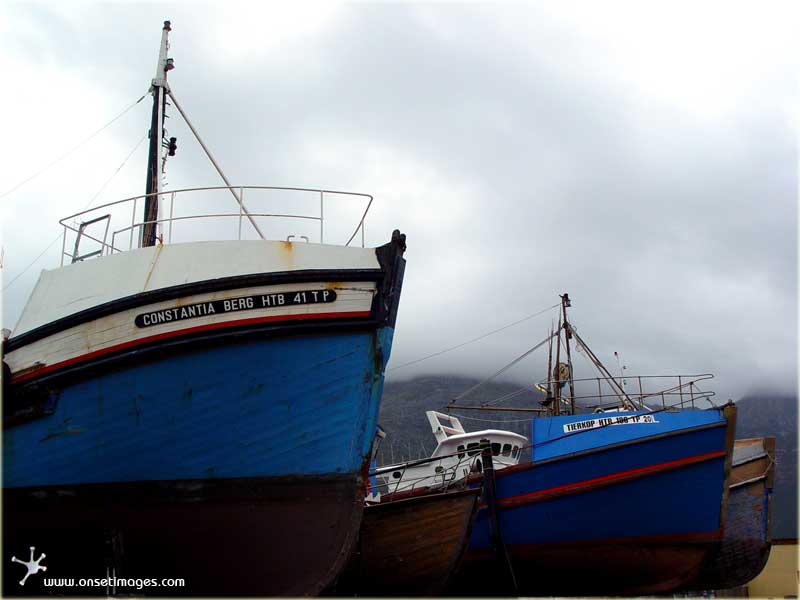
{"x": 635, "y": 505}
{"x": 197, "y": 408}
{"x": 628, "y": 499}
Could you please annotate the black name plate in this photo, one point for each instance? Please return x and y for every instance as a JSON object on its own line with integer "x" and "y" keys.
{"x": 259, "y": 301}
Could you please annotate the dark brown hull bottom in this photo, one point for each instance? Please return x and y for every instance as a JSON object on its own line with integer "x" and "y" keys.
{"x": 245, "y": 537}
{"x": 410, "y": 546}
{"x": 605, "y": 569}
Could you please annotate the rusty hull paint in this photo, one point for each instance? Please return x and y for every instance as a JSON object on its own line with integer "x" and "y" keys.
{"x": 211, "y": 533}
{"x": 410, "y": 546}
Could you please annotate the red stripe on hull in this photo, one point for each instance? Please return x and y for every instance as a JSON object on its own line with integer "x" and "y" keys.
{"x": 605, "y": 480}
{"x": 172, "y": 334}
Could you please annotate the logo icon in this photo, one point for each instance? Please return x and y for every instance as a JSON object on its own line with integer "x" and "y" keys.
{"x": 33, "y": 566}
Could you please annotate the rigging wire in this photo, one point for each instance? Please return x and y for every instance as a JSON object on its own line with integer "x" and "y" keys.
{"x": 91, "y": 201}
{"x": 505, "y": 368}
{"x": 509, "y": 395}
{"x": 66, "y": 154}
{"x": 480, "y": 337}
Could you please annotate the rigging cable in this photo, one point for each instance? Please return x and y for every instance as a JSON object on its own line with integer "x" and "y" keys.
{"x": 480, "y": 337}
{"x": 506, "y": 368}
{"x": 91, "y": 201}
{"x": 66, "y": 154}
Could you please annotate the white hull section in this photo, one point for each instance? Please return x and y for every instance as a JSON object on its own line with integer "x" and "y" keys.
{"x": 190, "y": 314}
{"x": 83, "y": 285}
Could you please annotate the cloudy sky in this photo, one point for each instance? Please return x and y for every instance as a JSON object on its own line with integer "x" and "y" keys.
{"x": 640, "y": 156}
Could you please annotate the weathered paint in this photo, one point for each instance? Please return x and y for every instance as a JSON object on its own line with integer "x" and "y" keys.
{"x": 258, "y": 408}
{"x": 410, "y": 546}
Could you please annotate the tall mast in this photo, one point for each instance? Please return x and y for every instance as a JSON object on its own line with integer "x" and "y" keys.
{"x": 159, "y": 89}
{"x": 567, "y": 336}
{"x": 556, "y": 372}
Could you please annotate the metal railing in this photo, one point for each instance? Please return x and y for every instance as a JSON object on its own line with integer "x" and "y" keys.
{"x": 445, "y": 477}
{"x": 646, "y": 391}
{"x": 114, "y": 217}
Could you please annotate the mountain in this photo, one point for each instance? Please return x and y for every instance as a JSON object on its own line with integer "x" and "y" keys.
{"x": 409, "y": 435}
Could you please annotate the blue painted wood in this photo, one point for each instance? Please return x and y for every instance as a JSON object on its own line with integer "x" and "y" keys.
{"x": 686, "y": 500}
{"x": 549, "y": 438}
{"x": 251, "y": 408}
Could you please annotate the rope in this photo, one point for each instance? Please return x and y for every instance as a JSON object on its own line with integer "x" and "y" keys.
{"x": 91, "y": 201}
{"x": 66, "y": 154}
{"x": 480, "y": 337}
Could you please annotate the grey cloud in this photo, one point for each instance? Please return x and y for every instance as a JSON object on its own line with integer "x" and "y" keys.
{"x": 531, "y": 165}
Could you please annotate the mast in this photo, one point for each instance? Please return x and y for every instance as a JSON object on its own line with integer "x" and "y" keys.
{"x": 556, "y": 372}
{"x": 159, "y": 89}
{"x": 567, "y": 336}
{"x": 549, "y": 398}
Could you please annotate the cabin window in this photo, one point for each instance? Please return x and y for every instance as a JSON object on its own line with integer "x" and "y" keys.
{"x": 396, "y": 474}
{"x": 478, "y": 466}
{"x": 514, "y": 452}
{"x": 495, "y": 449}
{"x": 461, "y": 451}
{"x": 506, "y": 449}
{"x": 473, "y": 448}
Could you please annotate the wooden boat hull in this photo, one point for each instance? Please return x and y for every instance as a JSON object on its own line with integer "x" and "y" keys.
{"x": 747, "y": 540}
{"x": 411, "y": 546}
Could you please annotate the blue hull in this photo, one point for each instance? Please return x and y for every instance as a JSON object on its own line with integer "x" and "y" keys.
{"x": 617, "y": 491}
{"x": 257, "y": 408}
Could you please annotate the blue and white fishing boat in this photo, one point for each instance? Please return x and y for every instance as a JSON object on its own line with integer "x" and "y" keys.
{"x": 627, "y": 499}
{"x": 634, "y": 502}
{"x": 197, "y": 408}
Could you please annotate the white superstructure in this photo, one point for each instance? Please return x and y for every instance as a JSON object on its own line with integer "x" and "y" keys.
{"x": 459, "y": 452}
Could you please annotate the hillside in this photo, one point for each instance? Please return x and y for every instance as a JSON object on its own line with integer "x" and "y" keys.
{"x": 409, "y": 434}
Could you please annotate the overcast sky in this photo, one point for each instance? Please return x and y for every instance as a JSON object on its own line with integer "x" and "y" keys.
{"x": 640, "y": 156}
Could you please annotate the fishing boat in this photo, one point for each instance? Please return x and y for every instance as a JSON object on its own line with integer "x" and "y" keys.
{"x": 626, "y": 498}
{"x": 747, "y": 539}
{"x": 197, "y": 408}
{"x": 636, "y": 504}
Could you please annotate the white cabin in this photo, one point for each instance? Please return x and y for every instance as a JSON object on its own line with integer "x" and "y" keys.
{"x": 460, "y": 452}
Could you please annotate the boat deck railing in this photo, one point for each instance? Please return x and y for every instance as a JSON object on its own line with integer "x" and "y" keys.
{"x": 194, "y": 213}
{"x": 451, "y": 471}
{"x": 644, "y": 391}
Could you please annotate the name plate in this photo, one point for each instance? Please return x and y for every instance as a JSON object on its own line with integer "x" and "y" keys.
{"x": 243, "y": 303}
{"x": 606, "y": 421}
